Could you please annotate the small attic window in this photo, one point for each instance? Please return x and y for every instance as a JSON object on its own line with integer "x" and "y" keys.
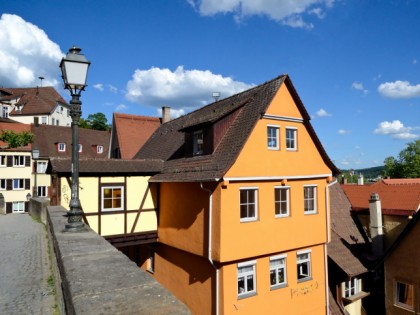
{"x": 99, "y": 149}
{"x": 198, "y": 142}
{"x": 61, "y": 147}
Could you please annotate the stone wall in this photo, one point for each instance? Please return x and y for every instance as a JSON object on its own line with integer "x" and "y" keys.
{"x": 96, "y": 278}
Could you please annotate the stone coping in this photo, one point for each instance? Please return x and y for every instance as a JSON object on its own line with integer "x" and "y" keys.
{"x": 98, "y": 279}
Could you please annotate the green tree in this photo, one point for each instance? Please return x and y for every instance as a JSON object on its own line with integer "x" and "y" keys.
{"x": 407, "y": 165}
{"x": 16, "y": 139}
{"x": 96, "y": 121}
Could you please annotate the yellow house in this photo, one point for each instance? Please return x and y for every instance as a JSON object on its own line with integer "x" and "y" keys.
{"x": 117, "y": 200}
{"x": 243, "y": 205}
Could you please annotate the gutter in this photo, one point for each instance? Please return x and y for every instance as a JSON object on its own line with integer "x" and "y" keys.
{"x": 327, "y": 201}
{"x": 209, "y": 252}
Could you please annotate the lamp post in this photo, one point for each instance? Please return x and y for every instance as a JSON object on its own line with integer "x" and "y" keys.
{"x": 35, "y": 156}
{"x": 74, "y": 68}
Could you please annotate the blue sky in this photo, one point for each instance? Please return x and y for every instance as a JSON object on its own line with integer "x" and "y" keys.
{"x": 354, "y": 63}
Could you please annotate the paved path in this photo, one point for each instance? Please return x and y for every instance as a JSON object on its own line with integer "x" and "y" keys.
{"x": 24, "y": 267}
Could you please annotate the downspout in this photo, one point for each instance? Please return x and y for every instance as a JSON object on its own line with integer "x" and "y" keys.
{"x": 327, "y": 201}
{"x": 209, "y": 252}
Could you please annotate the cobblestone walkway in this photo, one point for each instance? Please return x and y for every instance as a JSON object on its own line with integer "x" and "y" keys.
{"x": 24, "y": 267}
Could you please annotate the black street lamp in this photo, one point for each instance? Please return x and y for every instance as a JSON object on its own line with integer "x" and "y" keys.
{"x": 74, "y": 68}
{"x": 35, "y": 157}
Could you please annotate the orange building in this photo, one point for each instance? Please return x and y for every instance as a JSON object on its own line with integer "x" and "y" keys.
{"x": 243, "y": 205}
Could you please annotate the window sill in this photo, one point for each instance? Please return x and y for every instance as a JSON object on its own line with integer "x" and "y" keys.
{"x": 310, "y": 213}
{"x": 405, "y": 307}
{"x": 355, "y": 297}
{"x": 246, "y": 295}
{"x": 278, "y": 286}
{"x": 248, "y": 220}
{"x": 281, "y": 216}
{"x": 304, "y": 279}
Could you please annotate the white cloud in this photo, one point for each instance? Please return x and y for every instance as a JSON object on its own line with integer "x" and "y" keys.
{"x": 359, "y": 86}
{"x": 399, "y": 89}
{"x": 287, "y": 12}
{"x": 26, "y": 53}
{"x": 396, "y": 130}
{"x": 179, "y": 89}
{"x": 99, "y": 86}
{"x": 323, "y": 113}
{"x": 112, "y": 88}
{"x": 121, "y": 108}
{"x": 343, "y": 131}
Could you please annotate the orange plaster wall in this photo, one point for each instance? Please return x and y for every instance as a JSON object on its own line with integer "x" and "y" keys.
{"x": 269, "y": 234}
{"x": 189, "y": 277}
{"x": 307, "y": 297}
{"x": 183, "y": 217}
{"x": 305, "y": 161}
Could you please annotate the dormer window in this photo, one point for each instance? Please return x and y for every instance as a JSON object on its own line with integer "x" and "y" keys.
{"x": 198, "y": 142}
{"x": 61, "y": 147}
{"x": 99, "y": 149}
{"x": 80, "y": 148}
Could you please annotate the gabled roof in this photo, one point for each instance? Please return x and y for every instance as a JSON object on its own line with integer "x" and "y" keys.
{"x": 132, "y": 132}
{"x": 398, "y": 197}
{"x": 16, "y": 127}
{"x": 35, "y": 101}
{"x": 168, "y": 140}
{"x": 48, "y": 136}
{"x": 105, "y": 166}
{"x": 348, "y": 247}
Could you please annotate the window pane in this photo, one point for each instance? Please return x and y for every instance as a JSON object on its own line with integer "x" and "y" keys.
{"x": 250, "y": 283}
{"x": 241, "y": 285}
{"x": 107, "y": 193}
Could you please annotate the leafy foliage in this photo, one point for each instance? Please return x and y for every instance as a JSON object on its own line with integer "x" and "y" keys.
{"x": 407, "y": 165}
{"x": 16, "y": 140}
{"x": 96, "y": 121}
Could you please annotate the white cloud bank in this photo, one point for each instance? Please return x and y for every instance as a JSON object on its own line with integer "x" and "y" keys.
{"x": 323, "y": 113}
{"x": 26, "y": 53}
{"x": 289, "y": 13}
{"x": 396, "y": 130}
{"x": 179, "y": 89}
{"x": 399, "y": 89}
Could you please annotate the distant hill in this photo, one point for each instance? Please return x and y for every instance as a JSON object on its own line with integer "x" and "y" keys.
{"x": 368, "y": 173}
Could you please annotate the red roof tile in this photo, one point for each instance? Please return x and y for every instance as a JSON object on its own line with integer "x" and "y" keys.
{"x": 38, "y": 100}
{"x": 132, "y": 132}
{"x": 398, "y": 197}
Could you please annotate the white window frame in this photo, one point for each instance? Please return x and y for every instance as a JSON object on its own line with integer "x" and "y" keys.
{"x": 278, "y": 264}
{"x": 280, "y": 201}
{"x": 5, "y": 112}
{"x": 3, "y": 160}
{"x": 19, "y": 161}
{"x": 61, "y": 147}
{"x": 300, "y": 262}
{"x": 275, "y": 137}
{"x": 247, "y": 204}
{"x": 80, "y": 148}
{"x": 307, "y": 200}
{"x": 43, "y": 120}
{"x": 398, "y": 288}
{"x": 243, "y": 275}
{"x": 291, "y": 140}
{"x": 20, "y": 182}
{"x": 41, "y": 167}
{"x": 198, "y": 142}
{"x": 52, "y": 121}
{"x": 351, "y": 287}
{"x": 42, "y": 191}
{"x": 103, "y": 198}
{"x": 18, "y": 206}
{"x": 3, "y": 183}
{"x": 99, "y": 149}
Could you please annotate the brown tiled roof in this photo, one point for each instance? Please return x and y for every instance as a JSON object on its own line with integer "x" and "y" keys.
{"x": 398, "y": 197}
{"x": 106, "y": 166}
{"x": 47, "y": 137}
{"x": 38, "y": 100}
{"x": 168, "y": 140}
{"x": 348, "y": 247}
{"x": 16, "y": 127}
{"x": 132, "y": 132}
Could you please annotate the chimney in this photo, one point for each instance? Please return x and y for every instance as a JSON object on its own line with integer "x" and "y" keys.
{"x": 166, "y": 114}
{"x": 376, "y": 228}
{"x": 360, "y": 180}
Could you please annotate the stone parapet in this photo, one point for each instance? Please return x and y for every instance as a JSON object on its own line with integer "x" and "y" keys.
{"x": 98, "y": 279}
